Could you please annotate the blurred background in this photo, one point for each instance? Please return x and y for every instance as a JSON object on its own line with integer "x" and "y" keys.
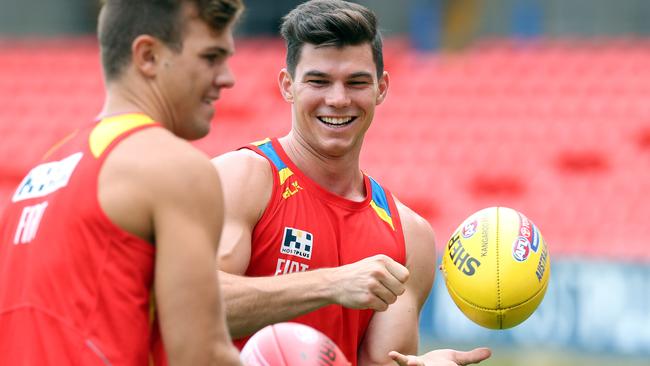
{"x": 542, "y": 106}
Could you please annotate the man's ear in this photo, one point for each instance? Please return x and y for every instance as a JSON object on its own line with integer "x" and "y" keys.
{"x": 285, "y": 82}
{"x": 383, "y": 82}
{"x": 145, "y": 54}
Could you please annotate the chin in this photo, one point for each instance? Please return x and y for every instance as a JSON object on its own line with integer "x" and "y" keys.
{"x": 197, "y": 130}
{"x": 336, "y": 148}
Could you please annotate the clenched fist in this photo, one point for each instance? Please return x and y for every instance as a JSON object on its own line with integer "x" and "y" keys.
{"x": 371, "y": 283}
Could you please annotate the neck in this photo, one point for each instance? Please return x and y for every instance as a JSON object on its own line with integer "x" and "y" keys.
{"x": 340, "y": 175}
{"x": 123, "y": 96}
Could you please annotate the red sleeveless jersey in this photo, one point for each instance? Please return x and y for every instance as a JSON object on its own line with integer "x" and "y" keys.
{"x": 306, "y": 227}
{"x": 74, "y": 287}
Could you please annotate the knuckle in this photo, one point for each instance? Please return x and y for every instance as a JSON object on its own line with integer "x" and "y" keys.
{"x": 381, "y": 258}
{"x": 377, "y": 272}
{"x": 374, "y": 285}
{"x": 366, "y": 300}
{"x": 407, "y": 275}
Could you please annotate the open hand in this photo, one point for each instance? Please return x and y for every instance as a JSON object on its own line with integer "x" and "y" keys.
{"x": 442, "y": 357}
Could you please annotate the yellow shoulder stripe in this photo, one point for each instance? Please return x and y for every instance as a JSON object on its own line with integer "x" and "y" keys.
{"x": 108, "y": 129}
{"x": 285, "y": 173}
{"x": 261, "y": 142}
{"x": 382, "y": 214}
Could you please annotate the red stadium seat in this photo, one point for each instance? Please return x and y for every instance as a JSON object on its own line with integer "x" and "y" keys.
{"x": 557, "y": 129}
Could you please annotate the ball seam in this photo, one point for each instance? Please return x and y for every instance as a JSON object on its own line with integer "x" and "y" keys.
{"x": 277, "y": 345}
{"x": 499, "y": 317}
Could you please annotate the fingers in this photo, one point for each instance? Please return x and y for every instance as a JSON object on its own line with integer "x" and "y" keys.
{"x": 403, "y": 360}
{"x": 391, "y": 274}
{"x": 474, "y": 356}
{"x": 399, "y": 358}
{"x": 392, "y": 285}
{"x": 371, "y": 283}
{"x": 382, "y": 296}
{"x": 391, "y": 277}
{"x": 398, "y": 271}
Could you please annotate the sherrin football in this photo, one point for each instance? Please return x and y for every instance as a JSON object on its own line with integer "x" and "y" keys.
{"x": 496, "y": 267}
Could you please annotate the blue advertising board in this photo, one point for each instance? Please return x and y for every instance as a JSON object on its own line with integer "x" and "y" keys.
{"x": 592, "y": 306}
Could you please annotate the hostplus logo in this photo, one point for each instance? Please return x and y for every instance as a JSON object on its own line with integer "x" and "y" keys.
{"x": 297, "y": 242}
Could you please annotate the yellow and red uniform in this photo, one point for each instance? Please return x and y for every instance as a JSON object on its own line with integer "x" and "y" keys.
{"x": 305, "y": 227}
{"x": 74, "y": 287}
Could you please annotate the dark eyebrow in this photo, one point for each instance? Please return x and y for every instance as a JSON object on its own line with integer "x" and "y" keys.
{"x": 354, "y": 75}
{"x": 219, "y": 51}
{"x": 360, "y": 74}
{"x": 315, "y": 73}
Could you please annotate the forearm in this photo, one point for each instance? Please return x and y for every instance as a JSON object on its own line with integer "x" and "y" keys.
{"x": 254, "y": 302}
{"x": 225, "y": 351}
{"x": 193, "y": 327}
{"x": 393, "y": 330}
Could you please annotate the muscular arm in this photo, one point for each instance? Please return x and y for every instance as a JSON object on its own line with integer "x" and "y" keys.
{"x": 397, "y": 327}
{"x": 247, "y": 185}
{"x": 254, "y": 302}
{"x": 247, "y": 182}
{"x": 395, "y": 331}
{"x": 171, "y": 193}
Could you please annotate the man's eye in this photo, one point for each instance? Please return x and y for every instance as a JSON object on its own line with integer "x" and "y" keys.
{"x": 210, "y": 58}
{"x": 317, "y": 81}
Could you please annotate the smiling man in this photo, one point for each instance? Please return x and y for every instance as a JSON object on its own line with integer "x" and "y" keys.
{"x": 308, "y": 237}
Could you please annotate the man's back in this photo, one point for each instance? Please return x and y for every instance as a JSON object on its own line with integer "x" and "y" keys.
{"x": 76, "y": 287}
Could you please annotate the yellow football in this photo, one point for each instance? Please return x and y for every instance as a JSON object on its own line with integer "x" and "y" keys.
{"x": 496, "y": 267}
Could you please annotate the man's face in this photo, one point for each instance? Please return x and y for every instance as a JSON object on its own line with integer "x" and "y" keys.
{"x": 191, "y": 80}
{"x": 334, "y": 93}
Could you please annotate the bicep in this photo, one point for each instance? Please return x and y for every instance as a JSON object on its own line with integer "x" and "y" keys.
{"x": 246, "y": 185}
{"x": 235, "y": 245}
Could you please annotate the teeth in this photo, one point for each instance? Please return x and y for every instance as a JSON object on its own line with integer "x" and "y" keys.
{"x": 336, "y": 120}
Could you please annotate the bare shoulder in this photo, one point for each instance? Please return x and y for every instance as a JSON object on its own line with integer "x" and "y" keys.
{"x": 247, "y": 181}
{"x": 420, "y": 251}
{"x": 244, "y": 163}
{"x": 162, "y": 161}
{"x": 153, "y": 171}
{"x": 247, "y": 186}
{"x": 417, "y": 229}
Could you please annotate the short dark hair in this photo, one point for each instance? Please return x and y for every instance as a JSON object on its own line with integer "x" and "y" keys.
{"x": 122, "y": 21}
{"x": 330, "y": 23}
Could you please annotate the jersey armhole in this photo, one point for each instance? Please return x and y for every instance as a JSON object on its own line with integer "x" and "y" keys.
{"x": 399, "y": 232}
{"x": 101, "y": 160}
{"x": 272, "y": 204}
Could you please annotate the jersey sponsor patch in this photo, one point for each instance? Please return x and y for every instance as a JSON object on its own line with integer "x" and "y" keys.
{"x": 297, "y": 242}
{"x": 285, "y": 266}
{"x": 47, "y": 178}
{"x": 29, "y": 223}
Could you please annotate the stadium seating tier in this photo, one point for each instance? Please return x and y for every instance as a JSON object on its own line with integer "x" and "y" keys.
{"x": 559, "y": 130}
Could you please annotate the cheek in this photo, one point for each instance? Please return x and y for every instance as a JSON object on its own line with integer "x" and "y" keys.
{"x": 368, "y": 100}
{"x": 306, "y": 101}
